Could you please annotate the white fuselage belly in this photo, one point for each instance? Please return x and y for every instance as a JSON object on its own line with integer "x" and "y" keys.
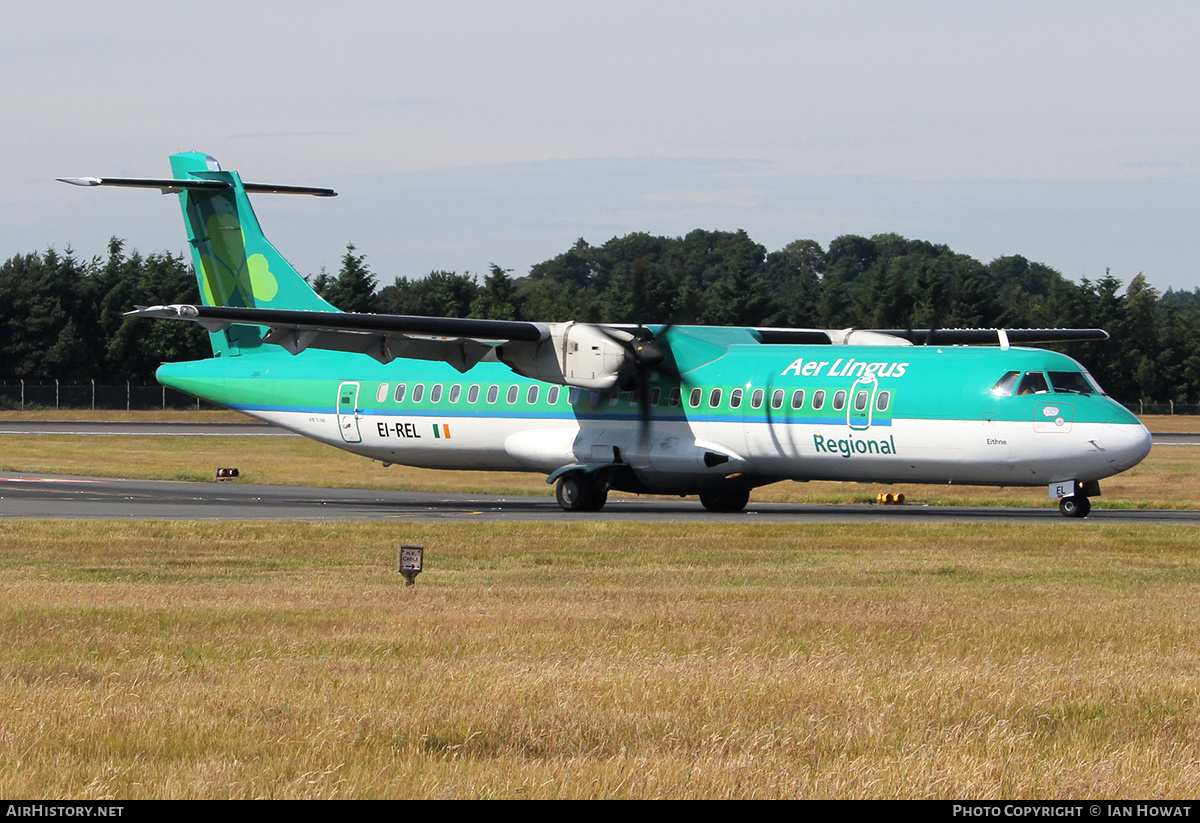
{"x": 916, "y": 451}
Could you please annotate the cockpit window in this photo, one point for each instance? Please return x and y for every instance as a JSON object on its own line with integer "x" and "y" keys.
{"x": 1092, "y": 380}
{"x": 1070, "y": 382}
{"x": 1005, "y": 385}
{"x": 1034, "y": 382}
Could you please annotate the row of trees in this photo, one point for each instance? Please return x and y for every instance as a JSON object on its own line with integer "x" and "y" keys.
{"x": 64, "y": 318}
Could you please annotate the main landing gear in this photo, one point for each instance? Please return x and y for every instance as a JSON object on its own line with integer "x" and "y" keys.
{"x": 580, "y": 492}
{"x": 725, "y": 499}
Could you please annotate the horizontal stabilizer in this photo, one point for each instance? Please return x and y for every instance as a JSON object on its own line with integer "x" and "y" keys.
{"x": 172, "y": 186}
{"x": 167, "y": 186}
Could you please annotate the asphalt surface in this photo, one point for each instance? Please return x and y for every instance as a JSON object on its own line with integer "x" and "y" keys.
{"x": 62, "y": 497}
{"x": 55, "y": 497}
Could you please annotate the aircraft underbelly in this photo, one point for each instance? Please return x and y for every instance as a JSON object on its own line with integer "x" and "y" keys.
{"x": 932, "y": 451}
{"x": 475, "y": 443}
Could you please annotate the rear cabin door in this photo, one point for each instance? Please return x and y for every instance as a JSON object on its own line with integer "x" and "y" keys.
{"x": 347, "y": 412}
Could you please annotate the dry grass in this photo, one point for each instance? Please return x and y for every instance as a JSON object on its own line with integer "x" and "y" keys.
{"x": 1177, "y": 423}
{"x": 598, "y": 660}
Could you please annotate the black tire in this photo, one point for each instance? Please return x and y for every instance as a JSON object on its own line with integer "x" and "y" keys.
{"x": 725, "y": 500}
{"x": 1074, "y": 506}
{"x": 578, "y": 492}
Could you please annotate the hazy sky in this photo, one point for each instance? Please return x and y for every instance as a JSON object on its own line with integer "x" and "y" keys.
{"x": 464, "y": 133}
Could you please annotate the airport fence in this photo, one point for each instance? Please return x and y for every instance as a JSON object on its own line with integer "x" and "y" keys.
{"x": 1141, "y": 408}
{"x": 28, "y": 395}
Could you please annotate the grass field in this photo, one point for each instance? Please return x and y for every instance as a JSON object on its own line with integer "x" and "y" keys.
{"x": 599, "y": 660}
{"x": 591, "y": 659}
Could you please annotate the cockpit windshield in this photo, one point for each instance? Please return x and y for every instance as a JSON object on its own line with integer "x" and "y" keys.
{"x": 1034, "y": 382}
{"x": 1070, "y": 382}
{"x": 1004, "y": 386}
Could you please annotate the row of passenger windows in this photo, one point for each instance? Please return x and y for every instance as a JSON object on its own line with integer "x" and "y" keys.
{"x": 455, "y": 393}
{"x": 862, "y": 398}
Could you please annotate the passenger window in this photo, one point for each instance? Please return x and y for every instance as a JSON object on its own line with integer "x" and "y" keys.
{"x": 435, "y": 394}
{"x": 493, "y": 394}
{"x": 455, "y": 393}
{"x": 418, "y": 392}
{"x": 552, "y": 395}
{"x": 531, "y": 395}
{"x": 757, "y": 398}
{"x": 735, "y": 398}
{"x": 513, "y": 393}
{"x": 675, "y": 397}
{"x": 839, "y": 401}
{"x": 399, "y": 395}
{"x": 1004, "y": 386}
{"x": 860, "y": 401}
{"x": 1034, "y": 382}
{"x": 381, "y": 393}
{"x": 573, "y": 395}
{"x": 883, "y": 401}
{"x": 818, "y": 399}
{"x": 655, "y": 396}
{"x": 798, "y": 399}
{"x": 714, "y": 398}
{"x": 777, "y": 399}
{"x": 694, "y": 399}
{"x": 473, "y": 393}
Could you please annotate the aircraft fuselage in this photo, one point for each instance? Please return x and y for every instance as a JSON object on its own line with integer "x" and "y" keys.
{"x": 755, "y": 415}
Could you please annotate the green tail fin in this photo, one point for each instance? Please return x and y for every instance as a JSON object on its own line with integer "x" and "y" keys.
{"x": 235, "y": 263}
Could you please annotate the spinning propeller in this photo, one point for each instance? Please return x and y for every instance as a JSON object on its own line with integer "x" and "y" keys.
{"x": 643, "y": 357}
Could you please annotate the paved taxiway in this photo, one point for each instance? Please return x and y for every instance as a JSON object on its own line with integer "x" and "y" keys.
{"x": 46, "y": 496}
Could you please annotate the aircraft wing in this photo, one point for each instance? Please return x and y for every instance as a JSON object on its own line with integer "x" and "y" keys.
{"x": 460, "y": 342}
{"x": 926, "y": 337}
{"x": 591, "y": 356}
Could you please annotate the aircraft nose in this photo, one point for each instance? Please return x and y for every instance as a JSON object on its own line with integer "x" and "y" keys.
{"x": 1126, "y": 445}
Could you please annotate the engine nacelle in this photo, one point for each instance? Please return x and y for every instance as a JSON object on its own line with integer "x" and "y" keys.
{"x": 574, "y": 354}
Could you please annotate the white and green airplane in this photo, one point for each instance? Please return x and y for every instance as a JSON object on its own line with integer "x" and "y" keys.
{"x": 657, "y": 409}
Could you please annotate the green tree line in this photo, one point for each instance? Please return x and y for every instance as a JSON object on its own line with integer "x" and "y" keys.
{"x": 63, "y": 318}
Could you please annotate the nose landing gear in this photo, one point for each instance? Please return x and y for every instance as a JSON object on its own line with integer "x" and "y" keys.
{"x": 1073, "y": 496}
{"x": 1077, "y": 506}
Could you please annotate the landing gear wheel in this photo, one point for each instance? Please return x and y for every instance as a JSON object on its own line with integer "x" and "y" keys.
{"x": 730, "y": 499}
{"x": 578, "y": 492}
{"x": 1074, "y": 506}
